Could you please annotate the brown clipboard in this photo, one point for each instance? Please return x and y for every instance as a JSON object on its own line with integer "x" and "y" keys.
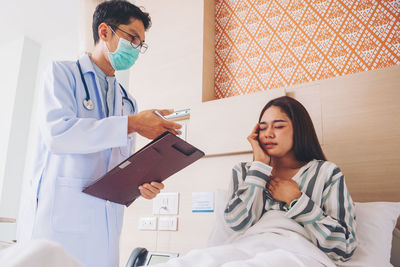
{"x": 158, "y": 160}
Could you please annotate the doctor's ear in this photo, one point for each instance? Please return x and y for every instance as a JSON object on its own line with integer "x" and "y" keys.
{"x": 105, "y": 32}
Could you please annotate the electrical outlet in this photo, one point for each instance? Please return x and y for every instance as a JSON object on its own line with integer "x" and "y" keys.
{"x": 147, "y": 223}
{"x": 166, "y": 203}
{"x": 167, "y": 223}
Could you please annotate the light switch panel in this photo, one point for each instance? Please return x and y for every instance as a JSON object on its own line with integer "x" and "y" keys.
{"x": 167, "y": 223}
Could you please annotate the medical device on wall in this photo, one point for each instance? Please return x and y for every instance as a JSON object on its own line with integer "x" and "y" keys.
{"x": 142, "y": 257}
{"x": 182, "y": 114}
{"x": 88, "y": 103}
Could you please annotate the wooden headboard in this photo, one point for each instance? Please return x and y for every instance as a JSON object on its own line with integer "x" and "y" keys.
{"x": 357, "y": 119}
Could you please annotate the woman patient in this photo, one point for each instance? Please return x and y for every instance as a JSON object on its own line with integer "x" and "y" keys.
{"x": 290, "y": 173}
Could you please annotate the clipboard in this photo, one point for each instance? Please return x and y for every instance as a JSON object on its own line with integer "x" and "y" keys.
{"x": 158, "y": 160}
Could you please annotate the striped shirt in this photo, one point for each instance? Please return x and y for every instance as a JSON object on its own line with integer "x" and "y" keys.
{"x": 325, "y": 208}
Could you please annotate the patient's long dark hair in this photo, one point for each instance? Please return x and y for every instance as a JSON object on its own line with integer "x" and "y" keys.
{"x": 305, "y": 142}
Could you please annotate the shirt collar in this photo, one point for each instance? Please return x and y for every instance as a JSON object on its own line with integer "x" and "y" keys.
{"x": 99, "y": 72}
{"x": 86, "y": 64}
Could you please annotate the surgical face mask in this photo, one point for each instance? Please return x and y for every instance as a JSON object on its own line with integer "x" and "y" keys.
{"x": 125, "y": 56}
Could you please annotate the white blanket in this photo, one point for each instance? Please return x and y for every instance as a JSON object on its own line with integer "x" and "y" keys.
{"x": 37, "y": 253}
{"x": 273, "y": 241}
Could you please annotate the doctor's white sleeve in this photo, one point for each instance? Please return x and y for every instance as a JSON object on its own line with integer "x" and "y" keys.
{"x": 62, "y": 130}
{"x": 246, "y": 192}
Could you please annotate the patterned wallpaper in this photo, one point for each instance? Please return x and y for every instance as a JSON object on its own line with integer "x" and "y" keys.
{"x": 265, "y": 44}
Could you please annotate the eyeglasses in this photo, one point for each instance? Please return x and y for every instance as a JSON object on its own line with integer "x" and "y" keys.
{"x": 135, "y": 40}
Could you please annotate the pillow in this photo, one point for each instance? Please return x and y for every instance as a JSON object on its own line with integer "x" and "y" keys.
{"x": 375, "y": 224}
{"x": 221, "y": 231}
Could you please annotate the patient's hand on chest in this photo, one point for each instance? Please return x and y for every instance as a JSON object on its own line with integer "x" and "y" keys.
{"x": 283, "y": 189}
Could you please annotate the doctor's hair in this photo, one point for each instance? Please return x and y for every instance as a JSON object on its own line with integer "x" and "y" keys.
{"x": 115, "y": 13}
{"x": 305, "y": 141}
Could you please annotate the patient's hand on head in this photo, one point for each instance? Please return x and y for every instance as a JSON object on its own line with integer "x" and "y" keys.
{"x": 285, "y": 190}
{"x": 258, "y": 153}
{"x": 150, "y": 191}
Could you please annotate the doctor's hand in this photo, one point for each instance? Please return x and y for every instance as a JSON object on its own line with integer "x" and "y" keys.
{"x": 150, "y": 191}
{"x": 283, "y": 190}
{"x": 258, "y": 152}
{"x": 149, "y": 125}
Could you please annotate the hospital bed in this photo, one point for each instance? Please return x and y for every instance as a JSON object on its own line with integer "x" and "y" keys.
{"x": 378, "y": 237}
{"x": 378, "y": 234}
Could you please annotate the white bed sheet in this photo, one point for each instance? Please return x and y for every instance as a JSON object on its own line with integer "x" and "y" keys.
{"x": 36, "y": 253}
{"x": 375, "y": 224}
{"x": 273, "y": 241}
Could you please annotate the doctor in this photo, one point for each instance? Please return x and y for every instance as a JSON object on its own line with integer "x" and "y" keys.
{"x": 86, "y": 126}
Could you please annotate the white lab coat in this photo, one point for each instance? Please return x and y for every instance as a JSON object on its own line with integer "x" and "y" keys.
{"x": 72, "y": 148}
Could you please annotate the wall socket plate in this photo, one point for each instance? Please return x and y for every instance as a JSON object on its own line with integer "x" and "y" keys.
{"x": 166, "y": 203}
{"x": 148, "y": 223}
{"x": 167, "y": 223}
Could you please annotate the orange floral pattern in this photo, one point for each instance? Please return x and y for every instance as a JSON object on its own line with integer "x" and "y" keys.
{"x": 265, "y": 44}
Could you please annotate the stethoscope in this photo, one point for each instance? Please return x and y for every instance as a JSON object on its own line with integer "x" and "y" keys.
{"x": 88, "y": 103}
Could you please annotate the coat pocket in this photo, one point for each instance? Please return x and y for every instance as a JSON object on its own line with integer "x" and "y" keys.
{"x": 127, "y": 150}
{"x": 74, "y": 211}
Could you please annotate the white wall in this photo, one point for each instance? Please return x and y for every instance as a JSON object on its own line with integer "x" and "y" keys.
{"x": 10, "y": 57}
{"x": 19, "y": 95}
{"x": 35, "y": 41}
{"x": 171, "y": 69}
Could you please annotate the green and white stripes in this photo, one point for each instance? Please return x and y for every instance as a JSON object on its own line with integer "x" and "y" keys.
{"x": 246, "y": 205}
{"x": 325, "y": 208}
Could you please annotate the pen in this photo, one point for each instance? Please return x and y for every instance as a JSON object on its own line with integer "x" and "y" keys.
{"x": 162, "y": 117}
